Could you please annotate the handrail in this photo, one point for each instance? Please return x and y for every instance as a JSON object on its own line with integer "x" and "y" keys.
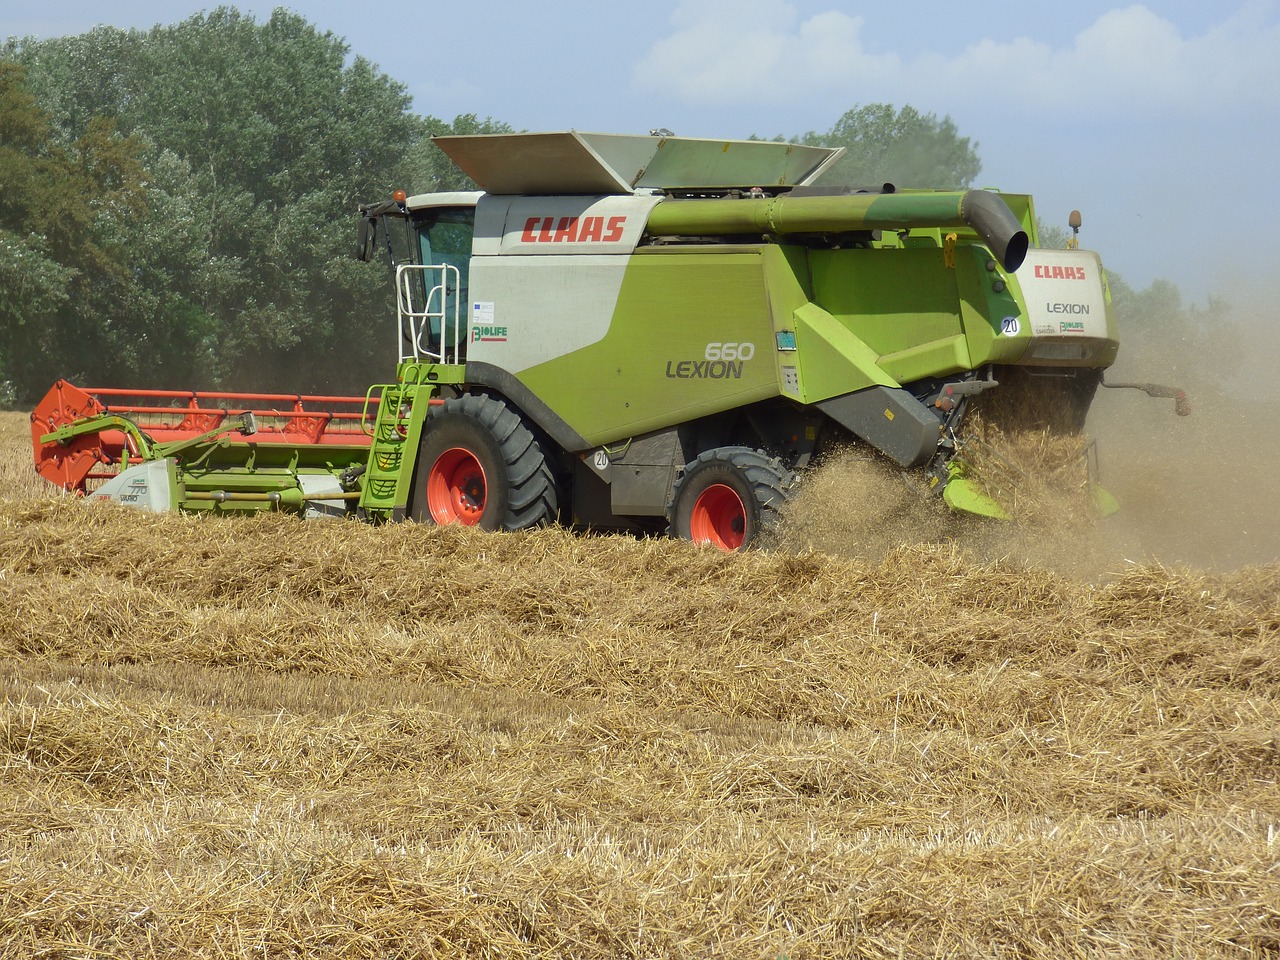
{"x": 304, "y": 420}
{"x": 420, "y": 328}
{"x": 192, "y": 395}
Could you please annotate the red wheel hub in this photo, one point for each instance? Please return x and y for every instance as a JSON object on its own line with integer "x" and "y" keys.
{"x": 719, "y": 517}
{"x": 456, "y": 488}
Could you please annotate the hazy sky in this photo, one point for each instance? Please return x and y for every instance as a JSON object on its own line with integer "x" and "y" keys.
{"x": 1159, "y": 121}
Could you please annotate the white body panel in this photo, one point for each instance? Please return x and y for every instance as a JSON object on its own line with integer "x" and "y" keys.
{"x": 457, "y": 198}
{"x": 550, "y": 226}
{"x": 313, "y": 484}
{"x": 526, "y": 311}
{"x": 546, "y": 274}
{"x": 1064, "y": 293}
{"x": 144, "y": 486}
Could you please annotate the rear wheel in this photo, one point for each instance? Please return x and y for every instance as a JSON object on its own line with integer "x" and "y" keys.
{"x": 729, "y": 497}
{"x": 479, "y": 465}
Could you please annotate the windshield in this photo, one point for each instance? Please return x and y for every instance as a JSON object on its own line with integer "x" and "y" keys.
{"x": 445, "y": 237}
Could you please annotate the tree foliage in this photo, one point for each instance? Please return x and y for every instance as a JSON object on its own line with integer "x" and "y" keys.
{"x": 258, "y": 140}
{"x": 67, "y": 289}
{"x": 903, "y": 147}
{"x": 1166, "y": 338}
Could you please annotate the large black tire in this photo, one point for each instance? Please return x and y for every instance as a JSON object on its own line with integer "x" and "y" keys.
{"x": 479, "y": 465}
{"x": 729, "y": 497}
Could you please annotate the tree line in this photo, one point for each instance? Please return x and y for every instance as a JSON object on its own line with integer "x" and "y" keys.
{"x": 177, "y": 204}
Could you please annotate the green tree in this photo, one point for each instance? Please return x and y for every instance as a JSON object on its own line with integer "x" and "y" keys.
{"x": 1052, "y": 236}
{"x": 262, "y": 139}
{"x": 64, "y": 274}
{"x": 32, "y": 284}
{"x": 903, "y": 147}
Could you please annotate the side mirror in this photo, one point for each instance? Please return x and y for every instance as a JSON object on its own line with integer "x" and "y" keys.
{"x": 366, "y": 237}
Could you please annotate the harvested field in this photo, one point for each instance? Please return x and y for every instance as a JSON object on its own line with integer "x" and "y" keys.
{"x": 277, "y": 738}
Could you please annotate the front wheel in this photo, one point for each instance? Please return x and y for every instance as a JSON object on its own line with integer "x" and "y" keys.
{"x": 479, "y": 465}
{"x": 729, "y": 497}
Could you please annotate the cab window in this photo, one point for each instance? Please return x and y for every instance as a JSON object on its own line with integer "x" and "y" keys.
{"x": 445, "y": 236}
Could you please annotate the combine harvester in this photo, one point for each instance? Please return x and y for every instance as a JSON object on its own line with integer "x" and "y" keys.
{"x": 635, "y": 333}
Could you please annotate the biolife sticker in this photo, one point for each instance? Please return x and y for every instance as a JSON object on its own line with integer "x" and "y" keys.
{"x": 483, "y": 327}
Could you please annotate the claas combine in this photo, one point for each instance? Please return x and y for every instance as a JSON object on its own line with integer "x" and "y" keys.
{"x": 634, "y": 333}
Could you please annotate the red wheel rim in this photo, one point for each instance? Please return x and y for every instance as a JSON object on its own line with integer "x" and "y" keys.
{"x": 456, "y": 488}
{"x": 719, "y": 517}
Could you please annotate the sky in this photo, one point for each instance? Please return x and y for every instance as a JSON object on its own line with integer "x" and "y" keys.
{"x": 1160, "y": 122}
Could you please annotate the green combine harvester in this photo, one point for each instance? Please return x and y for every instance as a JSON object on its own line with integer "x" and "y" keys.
{"x": 640, "y": 333}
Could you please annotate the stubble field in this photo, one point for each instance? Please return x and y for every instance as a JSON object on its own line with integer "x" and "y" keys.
{"x": 277, "y": 738}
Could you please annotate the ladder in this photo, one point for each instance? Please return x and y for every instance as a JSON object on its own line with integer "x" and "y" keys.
{"x": 396, "y": 434}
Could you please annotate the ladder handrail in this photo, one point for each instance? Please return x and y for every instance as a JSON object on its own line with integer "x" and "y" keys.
{"x": 414, "y": 322}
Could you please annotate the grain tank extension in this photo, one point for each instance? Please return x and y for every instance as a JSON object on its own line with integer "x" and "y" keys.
{"x": 658, "y": 333}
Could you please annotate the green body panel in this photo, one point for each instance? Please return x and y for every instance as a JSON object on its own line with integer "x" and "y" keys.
{"x": 920, "y": 316}
{"x": 962, "y": 494}
{"x": 1104, "y": 500}
{"x": 787, "y": 281}
{"x": 243, "y": 470}
{"x": 238, "y": 468}
{"x": 903, "y": 304}
{"x": 832, "y": 359}
{"x": 657, "y": 365}
{"x": 983, "y": 308}
{"x": 239, "y": 477}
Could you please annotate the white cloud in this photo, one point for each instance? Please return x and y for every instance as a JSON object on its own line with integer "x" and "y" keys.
{"x": 1129, "y": 58}
{"x": 753, "y": 52}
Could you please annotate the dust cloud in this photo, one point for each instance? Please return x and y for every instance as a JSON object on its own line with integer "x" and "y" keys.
{"x": 860, "y": 507}
{"x": 854, "y": 504}
{"x": 1201, "y": 491}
